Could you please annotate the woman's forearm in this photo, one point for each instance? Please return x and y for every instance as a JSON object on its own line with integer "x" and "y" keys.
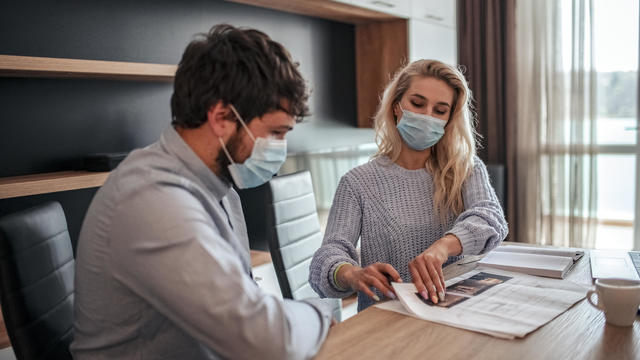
{"x": 340, "y": 277}
{"x": 451, "y": 244}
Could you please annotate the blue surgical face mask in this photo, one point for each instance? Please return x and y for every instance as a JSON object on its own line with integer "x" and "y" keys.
{"x": 266, "y": 158}
{"x": 420, "y": 131}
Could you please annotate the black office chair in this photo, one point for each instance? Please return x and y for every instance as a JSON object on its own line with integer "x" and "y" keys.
{"x": 283, "y": 214}
{"x": 497, "y": 179}
{"x": 36, "y": 282}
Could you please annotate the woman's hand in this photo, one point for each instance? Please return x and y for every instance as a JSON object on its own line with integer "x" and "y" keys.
{"x": 426, "y": 268}
{"x": 362, "y": 279}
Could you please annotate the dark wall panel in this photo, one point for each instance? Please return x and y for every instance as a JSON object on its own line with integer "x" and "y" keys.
{"x": 50, "y": 124}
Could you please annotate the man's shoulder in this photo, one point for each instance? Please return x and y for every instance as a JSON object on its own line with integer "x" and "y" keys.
{"x": 151, "y": 158}
{"x": 147, "y": 183}
{"x": 147, "y": 167}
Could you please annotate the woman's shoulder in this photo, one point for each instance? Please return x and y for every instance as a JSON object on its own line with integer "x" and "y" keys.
{"x": 360, "y": 175}
{"x": 368, "y": 169}
{"x": 477, "y": 164}
{"x": 478, "y": 168}
{"x": 357, "y": 173}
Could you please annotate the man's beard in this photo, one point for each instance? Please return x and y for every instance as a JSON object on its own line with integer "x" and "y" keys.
{"x": 223, "y": 162}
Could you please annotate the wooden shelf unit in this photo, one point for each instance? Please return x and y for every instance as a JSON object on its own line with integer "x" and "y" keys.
{"x": 381, "y": 42}
{"x": 30, "y": 66}
{"x": 26, "y": 185}
{"x": 44, "y": 67}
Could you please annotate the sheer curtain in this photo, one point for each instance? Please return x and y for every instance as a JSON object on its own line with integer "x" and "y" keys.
{"x": 555, "y": 147}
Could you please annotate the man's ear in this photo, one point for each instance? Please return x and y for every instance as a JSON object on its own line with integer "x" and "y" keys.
{"x": 220, "y": 120}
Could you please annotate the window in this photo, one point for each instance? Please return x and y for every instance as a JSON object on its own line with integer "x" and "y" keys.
{"x": 615, "y": 50}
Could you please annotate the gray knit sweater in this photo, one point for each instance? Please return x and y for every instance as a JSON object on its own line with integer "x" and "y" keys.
{"x": 390, "y": 209}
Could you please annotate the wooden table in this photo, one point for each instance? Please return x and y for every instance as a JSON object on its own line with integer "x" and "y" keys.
{"x": 579, "y": 333}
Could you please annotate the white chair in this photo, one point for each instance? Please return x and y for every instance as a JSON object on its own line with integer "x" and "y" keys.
{"x": 283, "y": 214}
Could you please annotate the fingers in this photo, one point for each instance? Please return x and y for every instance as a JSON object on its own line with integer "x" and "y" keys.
{"x": 390, "y": 275}
{"x": 425, "y": 272}
{"x": 379, "y": 281}
{"x": 375, "y": 276}
{"x": 435, "y": 278}
{"x": 388, "y": 269}
{"x": 417, "y": 280}
{"x": 359, "y": 280}
{"x": 365, "y": 288}
{"x": 444, "y": 285}
{"x": 438, "y": 278}
{"x": 427, "y": 277}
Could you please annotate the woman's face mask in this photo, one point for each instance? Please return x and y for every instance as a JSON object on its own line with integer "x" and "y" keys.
{"x": 266, "y": 158}
{"x": 420, "y": 131}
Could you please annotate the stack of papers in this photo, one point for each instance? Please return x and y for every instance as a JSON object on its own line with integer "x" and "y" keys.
{"x": 539, "y": 261}
{"x": 499, "y": 303}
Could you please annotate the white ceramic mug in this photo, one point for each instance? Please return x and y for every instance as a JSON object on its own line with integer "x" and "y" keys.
{"x": 618, "y": 298}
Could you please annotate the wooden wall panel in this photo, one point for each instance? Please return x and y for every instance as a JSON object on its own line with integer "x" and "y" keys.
{"x": 381, "y": 48}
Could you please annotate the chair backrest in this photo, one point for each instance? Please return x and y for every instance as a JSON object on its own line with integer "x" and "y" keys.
{"x": 295, "y": 232}
{"x": 36, "y": 282}
{"x": 255, "y": 202}
{"x": 289, "y": 221}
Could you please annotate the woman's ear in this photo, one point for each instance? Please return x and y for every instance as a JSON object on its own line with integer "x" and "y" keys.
{"x": 397, "y": 112}
{"x": 220, "y": 120}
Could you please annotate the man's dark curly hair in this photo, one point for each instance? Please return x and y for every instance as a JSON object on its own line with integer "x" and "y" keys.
{"x": 237, "y": 66}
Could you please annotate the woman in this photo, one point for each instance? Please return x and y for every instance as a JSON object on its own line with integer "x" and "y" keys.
{"x": 422, "y": 202}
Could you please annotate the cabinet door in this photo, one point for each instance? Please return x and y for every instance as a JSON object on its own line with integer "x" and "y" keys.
{"x": 441, "y": 12}
{"x": 430, "y": 41}
{"x": 400, "y": 8}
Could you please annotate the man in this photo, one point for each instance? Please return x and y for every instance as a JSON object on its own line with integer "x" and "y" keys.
{"x": 163, "y": 265}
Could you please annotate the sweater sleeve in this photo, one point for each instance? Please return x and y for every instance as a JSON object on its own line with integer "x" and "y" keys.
{"x": 481, "y": 226}
{"x": 339, "y": 243}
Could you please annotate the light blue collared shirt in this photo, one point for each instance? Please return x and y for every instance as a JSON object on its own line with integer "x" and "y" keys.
{"x": 163, "y": 270}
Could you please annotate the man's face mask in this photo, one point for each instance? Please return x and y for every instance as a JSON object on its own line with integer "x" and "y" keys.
{"x": 266, "y": 158}
{"x": 420, "y": 131}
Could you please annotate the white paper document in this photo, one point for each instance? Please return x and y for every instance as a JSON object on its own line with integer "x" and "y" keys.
{"x": 496, "y": 302}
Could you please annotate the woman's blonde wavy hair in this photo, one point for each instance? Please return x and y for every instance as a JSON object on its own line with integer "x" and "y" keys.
{"x": 451, "y": 159}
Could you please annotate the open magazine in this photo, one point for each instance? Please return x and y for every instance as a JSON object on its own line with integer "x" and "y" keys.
{"x": 496, "y": 302}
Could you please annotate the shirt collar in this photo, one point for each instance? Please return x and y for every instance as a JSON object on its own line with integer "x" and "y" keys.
{"x": 175, "y": 145}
